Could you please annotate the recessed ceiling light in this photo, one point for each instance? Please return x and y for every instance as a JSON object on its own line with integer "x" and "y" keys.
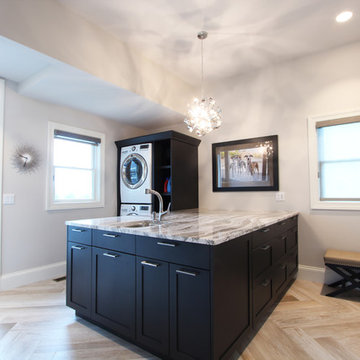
{"x": 344, "y": 16}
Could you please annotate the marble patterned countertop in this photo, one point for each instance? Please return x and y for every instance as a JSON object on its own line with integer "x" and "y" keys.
{"x": 195, "y": 226}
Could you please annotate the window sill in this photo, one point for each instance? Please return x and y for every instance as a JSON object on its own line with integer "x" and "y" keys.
{"x": 335, "y": 205}
{"x": 74, "y": 206}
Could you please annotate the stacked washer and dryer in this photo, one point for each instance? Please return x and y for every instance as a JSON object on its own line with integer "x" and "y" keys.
{"x": 136, "y": 176}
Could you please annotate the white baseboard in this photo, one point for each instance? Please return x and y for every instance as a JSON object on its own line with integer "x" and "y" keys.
{"x": 311, "y": 273}
{"x": 25, "y": 277}
{"x": 317, "y": 274}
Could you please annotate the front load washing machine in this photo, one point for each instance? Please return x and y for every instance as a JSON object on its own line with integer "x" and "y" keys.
{"x": 136, "y": 174}
{"x": 135, "y": 209}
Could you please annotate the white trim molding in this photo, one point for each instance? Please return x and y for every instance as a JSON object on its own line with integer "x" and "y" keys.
{"x": 99, "y": 200}
{"x": 28, "y": 276}
{"x": 316, "y": 203}
{"x": 2, "y": 119}
{"x": 320, "y": 275}
{"x": 311, "y": 273}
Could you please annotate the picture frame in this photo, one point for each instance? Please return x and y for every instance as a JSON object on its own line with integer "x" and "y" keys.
{"x": 246, "y": 165}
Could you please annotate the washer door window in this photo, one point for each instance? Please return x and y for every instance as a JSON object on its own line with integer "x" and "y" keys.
{"x": 134, "y": 171}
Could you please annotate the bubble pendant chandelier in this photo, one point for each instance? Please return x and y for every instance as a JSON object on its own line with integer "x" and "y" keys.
{"x": 203, "y": 116}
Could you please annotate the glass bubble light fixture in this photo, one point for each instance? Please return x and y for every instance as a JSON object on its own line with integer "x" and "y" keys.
{"x": 203, "y": 116}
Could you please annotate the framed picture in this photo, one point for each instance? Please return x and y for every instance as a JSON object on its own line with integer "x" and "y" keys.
{"x": 246, "y": 165}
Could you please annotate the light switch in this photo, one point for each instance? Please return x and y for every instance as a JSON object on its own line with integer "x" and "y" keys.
{"x": 8, "y": 199}
{"x": 280, "y": 196}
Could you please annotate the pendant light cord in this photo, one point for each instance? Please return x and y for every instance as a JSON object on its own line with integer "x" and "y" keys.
{"x": 202, "y": 69}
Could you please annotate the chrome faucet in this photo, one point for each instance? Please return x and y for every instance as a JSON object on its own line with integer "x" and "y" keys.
{"x": 161, "y": 203}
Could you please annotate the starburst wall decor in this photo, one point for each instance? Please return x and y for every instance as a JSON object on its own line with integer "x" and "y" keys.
{"x": 26, "y": 159}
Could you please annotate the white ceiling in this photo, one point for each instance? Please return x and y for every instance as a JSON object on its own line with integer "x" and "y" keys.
{"x": 41, "y": 77}
{"x": 243, "y": 34}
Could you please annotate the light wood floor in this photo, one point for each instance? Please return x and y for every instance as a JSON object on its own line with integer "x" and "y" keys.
{"x": 35, "y": 324}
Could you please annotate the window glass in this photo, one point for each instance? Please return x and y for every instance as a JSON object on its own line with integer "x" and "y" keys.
{"x": 73, "y": 184}
{"x": 73, "y": 154}
{"x": 339, "y": 162}
{"x": 76, "y": 168}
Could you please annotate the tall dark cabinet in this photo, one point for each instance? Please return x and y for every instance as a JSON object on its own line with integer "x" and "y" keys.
{"x": 175, "y": 156}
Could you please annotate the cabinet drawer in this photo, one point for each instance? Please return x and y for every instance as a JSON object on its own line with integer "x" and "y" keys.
{"x": 279, "y": 247}
{"x": 261, "y": 259}
{"x": 262, "y": 294}
{"x": 114, "y": 241}
{"x": 291, "y": 239}
{"x": 292, "y": 263}
{"x": 174, "y": 251}
{"x": 79, "y": 235}
{"x": 286, "y": 224}
{"x": 279, "y": 276}
{"x": 263, "y": 236}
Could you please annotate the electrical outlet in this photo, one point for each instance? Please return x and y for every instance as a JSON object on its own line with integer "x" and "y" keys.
{"x": 280, "y": 196}
{"x": 8, "y": 199}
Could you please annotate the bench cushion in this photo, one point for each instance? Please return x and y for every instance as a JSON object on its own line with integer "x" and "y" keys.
{"x": 339, "y": 257}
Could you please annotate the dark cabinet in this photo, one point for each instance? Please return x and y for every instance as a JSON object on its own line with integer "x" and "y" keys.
{"x": 190, "y": 313}
{"x": 152, "y": 304}
{"x": 175, "y": 157}
{"x": 113, "y": 290}
{"x": 180, "y": 300}
{"x": 274, "y": 257}
{"x": 78, "y": 286}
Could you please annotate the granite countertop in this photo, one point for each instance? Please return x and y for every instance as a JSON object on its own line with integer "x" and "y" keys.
{"x": 195, "y": 226}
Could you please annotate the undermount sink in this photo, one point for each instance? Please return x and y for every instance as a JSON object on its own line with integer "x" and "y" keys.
{"x": 138, "y": 224}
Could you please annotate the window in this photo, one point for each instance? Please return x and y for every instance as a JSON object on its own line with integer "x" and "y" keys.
{"x": 76, "y": 168}
{"x": 334, "y": 156}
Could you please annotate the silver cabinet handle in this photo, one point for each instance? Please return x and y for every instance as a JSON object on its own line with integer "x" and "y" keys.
{"x": 146, "y": 263}
{"x": 283, "y": 223}
{"x": 77, "y": 247}
{"x": 77, "y": 230}
{"x": 186, "y": 273}
{"x": 110, "y": 255}
{"x": 283, "y": 267}
{"x": 110, "y": 235}
{"x": 265, "y": 230}
{"x": 284, "y": 238}
{"x": 265, "y": 283}
{"x": 166, "y": 244}
{"x": 265, "y": 248}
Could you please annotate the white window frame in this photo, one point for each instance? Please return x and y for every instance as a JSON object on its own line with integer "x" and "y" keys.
{"x": 315, "y": 201}
{"x": 99, "y": 201}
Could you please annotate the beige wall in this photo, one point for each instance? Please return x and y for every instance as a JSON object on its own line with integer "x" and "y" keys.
{"x": 33, "y": 237}
{"x": 278, "y": 100}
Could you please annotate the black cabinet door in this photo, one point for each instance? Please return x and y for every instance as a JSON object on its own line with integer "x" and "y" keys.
{"x": 113, "y": 293}
{"x": 152, "y": 304}
{"x": 189, "y": 313}
{"x": 78, "y": 283}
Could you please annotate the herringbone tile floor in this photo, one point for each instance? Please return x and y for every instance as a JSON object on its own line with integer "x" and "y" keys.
{"x": 35, "y": 324}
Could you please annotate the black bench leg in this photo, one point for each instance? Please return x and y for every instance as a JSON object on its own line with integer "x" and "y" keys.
{"x": 349, "y": 276}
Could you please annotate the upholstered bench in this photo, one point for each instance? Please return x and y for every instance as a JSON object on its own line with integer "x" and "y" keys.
{"x": 347, "y": 265}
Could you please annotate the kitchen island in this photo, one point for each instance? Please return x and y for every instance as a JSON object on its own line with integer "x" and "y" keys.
{"x": 197, "y": 286}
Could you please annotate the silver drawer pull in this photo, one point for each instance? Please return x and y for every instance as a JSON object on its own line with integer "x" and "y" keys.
{"x": 77, "y": 230}
{"x": 265, "y": 283}
{"x": 77, "y": 247}
{"x": 284, "y": 238}
{"x": 110, "y": 235}
{"x": 111, "y": 255}
{"x": 146, "y": 263}
{"x": 265, "y": 248}
{"x": 186, "y": 273}
{"x": 166, "y": 244}
{"x": 283, "y": 223}
{"x": 265, "y": 230}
